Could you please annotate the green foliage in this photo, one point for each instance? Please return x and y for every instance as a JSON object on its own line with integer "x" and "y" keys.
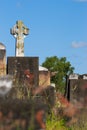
{"x": 53, "y": 123}
{"x": 60, "y": 67}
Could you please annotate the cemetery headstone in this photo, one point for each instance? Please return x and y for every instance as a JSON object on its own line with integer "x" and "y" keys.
{"x": 24, "y": 69}
{"x": 19, "y": 31}
{"x": 76, "y": 92}
{"x": 2, "y": 59}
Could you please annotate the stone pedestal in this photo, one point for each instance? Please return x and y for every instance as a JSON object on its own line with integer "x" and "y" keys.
{"x": 24, "y": 70}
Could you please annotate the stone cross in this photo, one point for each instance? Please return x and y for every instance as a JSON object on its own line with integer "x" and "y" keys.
{"x": 19, "y": 31}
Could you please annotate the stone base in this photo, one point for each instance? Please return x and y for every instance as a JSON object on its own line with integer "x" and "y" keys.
{"x": 24, "y": 70}
{"x": 77, "y": 90}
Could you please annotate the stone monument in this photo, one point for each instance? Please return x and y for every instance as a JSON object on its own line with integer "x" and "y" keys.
{"x": 25, "y": 69}
{"x": 19, "y": 31}
{"x": 24, "y": 113}
{"x": 76, "y": 92}
{"x": 2, "y": 59}
{"x": 76, "y": 88}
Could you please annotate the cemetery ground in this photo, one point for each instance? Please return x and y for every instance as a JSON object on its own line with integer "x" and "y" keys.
{"x": 39, "y": 109}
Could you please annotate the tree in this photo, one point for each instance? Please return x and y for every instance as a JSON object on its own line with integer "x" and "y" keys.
{"x": 59, "y": 68}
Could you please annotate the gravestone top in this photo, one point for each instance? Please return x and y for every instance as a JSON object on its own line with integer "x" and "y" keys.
{"x": 73, "y": 76}
{"x": 19, "y": 31}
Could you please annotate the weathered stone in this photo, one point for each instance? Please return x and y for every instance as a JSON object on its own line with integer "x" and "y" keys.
{"x": 19, "y": 31}
{"x": 44, "y": 77}
{"x": 2, "y": 60}
{"x": 24, "y": 70}
{"x": 77, "y": 89}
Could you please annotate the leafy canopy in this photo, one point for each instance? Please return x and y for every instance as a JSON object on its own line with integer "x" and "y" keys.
{"x": 59, "y": 68}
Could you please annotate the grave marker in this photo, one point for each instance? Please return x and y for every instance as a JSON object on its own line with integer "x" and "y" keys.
{"x": 2, "y": 60}
{"x": 19, "y": 31}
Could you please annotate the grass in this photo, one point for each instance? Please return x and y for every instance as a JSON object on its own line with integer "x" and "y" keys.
{"x": 55, "y": 124}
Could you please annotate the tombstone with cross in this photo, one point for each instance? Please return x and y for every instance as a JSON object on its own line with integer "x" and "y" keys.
{"x": 19, "y": 31}
{"x": 24, "y": 69}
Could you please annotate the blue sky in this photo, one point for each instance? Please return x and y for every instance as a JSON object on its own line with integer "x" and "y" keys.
{"x": 57, "y": 27}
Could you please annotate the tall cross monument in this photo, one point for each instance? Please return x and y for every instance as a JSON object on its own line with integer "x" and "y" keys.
{"x": 19, "y": 31}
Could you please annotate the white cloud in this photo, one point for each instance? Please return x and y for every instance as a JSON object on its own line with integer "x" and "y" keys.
{"x": 78, "y": 44}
